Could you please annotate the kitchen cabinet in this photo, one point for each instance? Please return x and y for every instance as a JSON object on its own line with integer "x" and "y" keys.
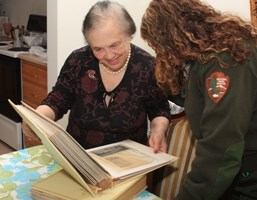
{"x": 34, "y": 86}
{"x": 34, "y": 83}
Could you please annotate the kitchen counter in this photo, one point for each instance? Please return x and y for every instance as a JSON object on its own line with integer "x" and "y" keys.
{"x": 14, "y": 54}
{"x": 5, "y": 44}
{"x": 32, "y": 58}
{"x": 25, "y": 55}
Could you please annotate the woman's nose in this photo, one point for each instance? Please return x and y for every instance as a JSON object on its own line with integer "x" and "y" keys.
{"x": 109, "y": 53}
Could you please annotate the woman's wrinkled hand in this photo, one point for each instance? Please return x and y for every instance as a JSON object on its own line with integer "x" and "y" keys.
{"x": 158, "y": 142}
{"x": 158, "y": 127}
{"x": 29, "y": 134}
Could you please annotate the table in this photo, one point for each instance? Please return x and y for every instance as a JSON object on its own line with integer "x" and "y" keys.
{"x": 21, "y": 169}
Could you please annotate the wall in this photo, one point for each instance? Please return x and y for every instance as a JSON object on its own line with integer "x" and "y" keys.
{"x": 18, "y": 11}
{"x": 64, "y": 28}
{"x": 241, "y": 7}
{"x": 69, "y": 16}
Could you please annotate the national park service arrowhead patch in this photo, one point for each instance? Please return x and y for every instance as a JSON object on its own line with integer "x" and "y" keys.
{"x": 217, "y": 85}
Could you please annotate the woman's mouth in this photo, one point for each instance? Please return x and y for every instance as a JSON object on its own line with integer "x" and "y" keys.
{"x": 113, "y": 62}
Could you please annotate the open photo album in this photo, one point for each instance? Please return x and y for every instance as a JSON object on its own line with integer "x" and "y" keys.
{"x": 95, "y": 169}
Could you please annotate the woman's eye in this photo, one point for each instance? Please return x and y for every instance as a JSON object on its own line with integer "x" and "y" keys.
{"x": 115, "y": 45}
{"x": 98, "y": 50}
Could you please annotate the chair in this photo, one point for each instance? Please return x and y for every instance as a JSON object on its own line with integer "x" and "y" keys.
{"x": 166, "y": 181}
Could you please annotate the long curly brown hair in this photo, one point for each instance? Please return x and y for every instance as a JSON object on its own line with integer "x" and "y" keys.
{"x": 182, "y": 31}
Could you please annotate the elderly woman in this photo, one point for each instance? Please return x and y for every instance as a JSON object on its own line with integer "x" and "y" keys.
{"x": 211, "y": 58}
{"x": 109, "y": 85}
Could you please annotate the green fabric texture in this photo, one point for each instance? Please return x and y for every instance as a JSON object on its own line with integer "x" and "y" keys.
{"x": 232, "y": 156}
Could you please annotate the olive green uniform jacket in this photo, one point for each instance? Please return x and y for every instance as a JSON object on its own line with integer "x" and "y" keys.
{"x": 221, "y": 106}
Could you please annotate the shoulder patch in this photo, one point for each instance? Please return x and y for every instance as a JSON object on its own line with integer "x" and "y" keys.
{"x": 217, "y": 85}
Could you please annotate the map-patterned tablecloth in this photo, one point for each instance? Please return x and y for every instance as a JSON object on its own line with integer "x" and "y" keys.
{"x": 21, "y": 169}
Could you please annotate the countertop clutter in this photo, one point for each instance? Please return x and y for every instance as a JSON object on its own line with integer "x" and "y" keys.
{"x": 7, "y": 48}
{"x": 6, "y": 43}
{"x": 15, "y": 40}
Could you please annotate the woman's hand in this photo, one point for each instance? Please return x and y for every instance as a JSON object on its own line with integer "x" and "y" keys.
{"x": 158, "y": 142}
{"x": 158, "y": 131}
{"x": 31, "y": 139}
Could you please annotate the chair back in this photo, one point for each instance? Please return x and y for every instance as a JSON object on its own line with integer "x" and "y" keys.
{"x": 167, "y": 180}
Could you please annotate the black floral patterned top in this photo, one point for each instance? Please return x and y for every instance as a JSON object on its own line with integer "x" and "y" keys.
{"x": 79, "y": 88}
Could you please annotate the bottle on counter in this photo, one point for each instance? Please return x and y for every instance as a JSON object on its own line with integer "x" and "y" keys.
{"x": 16, "y": 35}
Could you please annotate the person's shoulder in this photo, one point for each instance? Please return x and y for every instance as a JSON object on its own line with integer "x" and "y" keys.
{"x": 82, "y": 50}
{"x": 82, "y": 53}
{"x": 141, "y": 60}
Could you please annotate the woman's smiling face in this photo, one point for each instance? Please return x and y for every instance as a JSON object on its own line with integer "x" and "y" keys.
{"x": 110, "y": 44}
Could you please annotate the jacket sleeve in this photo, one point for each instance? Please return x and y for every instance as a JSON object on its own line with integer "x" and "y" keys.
{"x": 219, "y": 120}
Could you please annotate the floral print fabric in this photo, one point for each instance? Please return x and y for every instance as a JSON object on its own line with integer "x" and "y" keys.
{"x": 21, "y": 169}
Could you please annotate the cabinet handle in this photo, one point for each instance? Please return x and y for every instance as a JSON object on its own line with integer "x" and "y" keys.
{"x": 35, "y": 76}
{"x": 35, "y": 95}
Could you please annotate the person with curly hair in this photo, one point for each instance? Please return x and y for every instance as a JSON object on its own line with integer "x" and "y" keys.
{"x": 109, "y": 86}
{"x": 209, "y": 58}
